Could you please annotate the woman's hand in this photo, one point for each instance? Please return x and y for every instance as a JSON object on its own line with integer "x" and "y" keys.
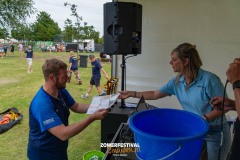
{"x": 125, "y": 94}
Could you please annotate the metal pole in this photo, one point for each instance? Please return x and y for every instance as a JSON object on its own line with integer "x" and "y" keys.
{"x": 123, "y": 66}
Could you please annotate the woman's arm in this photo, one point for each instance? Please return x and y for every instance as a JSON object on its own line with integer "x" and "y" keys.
{"x": 148, "y": 95}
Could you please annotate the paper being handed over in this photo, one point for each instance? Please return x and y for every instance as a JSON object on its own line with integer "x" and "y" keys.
{"x": 102, "y": 102}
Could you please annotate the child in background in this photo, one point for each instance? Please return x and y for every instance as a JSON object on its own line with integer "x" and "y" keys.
{"x": 96, "y": 77}
{"x": 29, "y": 58}
{"x": 73, "y": 67}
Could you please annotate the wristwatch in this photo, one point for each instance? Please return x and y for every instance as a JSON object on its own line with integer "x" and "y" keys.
{"x": 236, "y": 84}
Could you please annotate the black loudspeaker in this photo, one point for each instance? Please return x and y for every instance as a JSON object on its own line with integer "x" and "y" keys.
{"x": 122, "y": 28}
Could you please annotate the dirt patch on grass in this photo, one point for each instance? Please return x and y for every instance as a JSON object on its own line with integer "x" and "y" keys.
{"x": 7, "y": 80}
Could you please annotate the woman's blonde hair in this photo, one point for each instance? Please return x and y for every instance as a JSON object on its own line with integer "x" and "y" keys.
{"x": 187, "y": 50}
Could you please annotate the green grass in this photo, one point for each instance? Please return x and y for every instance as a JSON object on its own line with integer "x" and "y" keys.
{"x": 17, "y": 88}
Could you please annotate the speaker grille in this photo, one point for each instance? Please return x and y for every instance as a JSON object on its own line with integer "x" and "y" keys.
{"x": 122, "y": 28}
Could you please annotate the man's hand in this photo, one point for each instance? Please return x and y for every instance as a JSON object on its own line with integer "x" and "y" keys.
{"x": 100, "y": 114}
{"x": 216, "y": 103}
{"x": 233, "y": 72}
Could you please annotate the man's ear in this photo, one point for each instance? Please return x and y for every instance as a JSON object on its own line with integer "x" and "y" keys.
{"x": 51, "y": 77}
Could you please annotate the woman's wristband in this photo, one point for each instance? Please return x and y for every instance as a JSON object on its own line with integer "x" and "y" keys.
{"x": 207, "y": 119}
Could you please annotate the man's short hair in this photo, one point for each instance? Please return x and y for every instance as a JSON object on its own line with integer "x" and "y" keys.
{"x": 52, "y": 66}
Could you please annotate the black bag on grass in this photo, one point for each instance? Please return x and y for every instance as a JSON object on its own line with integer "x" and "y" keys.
{"x": 18, "y": 117}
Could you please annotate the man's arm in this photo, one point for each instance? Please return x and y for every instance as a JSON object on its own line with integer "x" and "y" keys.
{"x": 79, "y": 108}
{"x": 65, "y": 132}
{"x": 237, "y": 100}
{"x": 233, "y": 75}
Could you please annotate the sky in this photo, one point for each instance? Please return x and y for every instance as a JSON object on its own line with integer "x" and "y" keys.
{"x": 90, "y": 10}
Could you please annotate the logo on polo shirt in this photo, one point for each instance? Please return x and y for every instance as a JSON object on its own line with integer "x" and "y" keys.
{"x": 200, "y": 87}
{"x": 48, "y": 121}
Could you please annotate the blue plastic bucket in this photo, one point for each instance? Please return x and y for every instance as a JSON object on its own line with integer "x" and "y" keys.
{"x": 168, "y": 134}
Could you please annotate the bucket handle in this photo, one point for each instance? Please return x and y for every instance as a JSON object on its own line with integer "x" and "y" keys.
{"x": 178, "y": 149}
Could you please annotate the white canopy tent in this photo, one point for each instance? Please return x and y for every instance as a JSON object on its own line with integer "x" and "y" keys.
{"x": 213, "y": 26}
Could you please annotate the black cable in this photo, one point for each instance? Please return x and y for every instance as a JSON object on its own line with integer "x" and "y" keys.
{"x": 224, "y": 95}
{"x": 125, "y": 70}
{"x": 130, "y": 56}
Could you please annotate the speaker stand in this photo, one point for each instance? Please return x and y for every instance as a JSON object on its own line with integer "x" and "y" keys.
{"x": 123, "y": 66}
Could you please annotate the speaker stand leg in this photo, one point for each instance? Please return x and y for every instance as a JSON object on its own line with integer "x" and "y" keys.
{"x": 123, "y": 66}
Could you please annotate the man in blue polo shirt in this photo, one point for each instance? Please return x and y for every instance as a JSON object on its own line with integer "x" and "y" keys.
{"x": 96, "y": 76}
{"x": 48, "y": 115}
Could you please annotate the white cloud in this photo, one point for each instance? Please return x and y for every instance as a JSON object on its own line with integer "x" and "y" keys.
{"x": 90, "y": 10}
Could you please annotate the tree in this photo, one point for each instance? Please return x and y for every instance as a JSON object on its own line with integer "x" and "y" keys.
{"x": 22, "y": 32}
{"x": 78, "y": 31}
{"x": 45, "y": 28}
{"x": 14, "y": 12}
{"x": 69, "y": 31}
{"x": 3, "y": 33}
{"x": 101, "y": 40}
{"x": 88, "y": 32}
{"x": 57, "y": 38}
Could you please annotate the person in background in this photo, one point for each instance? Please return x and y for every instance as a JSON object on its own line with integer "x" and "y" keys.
{"x": 49, "y": 113}
{"x": 96, "y": 76}
{"x": 1, "y": 51}
{"x": 73, "y": 67}
{"x": 60, "y": 47}
{"x": 194, "y": 88}
{"x": 40, "y": 46}
{"x": 5, "y": 50}
{"x": 20, "y": 48}
{"x": 233, "y": 76}
{"x": 29, "y": 58}
{"x": 12, "y": 49}
{"x": 56, "y": 47}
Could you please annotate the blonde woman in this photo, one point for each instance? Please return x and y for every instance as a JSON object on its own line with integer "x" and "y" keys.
{"x": 194, "y": 88}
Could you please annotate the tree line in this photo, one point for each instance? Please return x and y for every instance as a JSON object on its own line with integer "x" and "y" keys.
{"x": 13, "y": 16}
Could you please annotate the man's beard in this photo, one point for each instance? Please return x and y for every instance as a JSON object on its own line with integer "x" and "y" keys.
{"x": 59, "y": 85}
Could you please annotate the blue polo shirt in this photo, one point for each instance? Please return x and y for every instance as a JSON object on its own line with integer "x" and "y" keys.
{"x": 197, "y": 96}
{"x": 96, "y": 67}
{"x": 29, "y": 53}
{"x": 46, "y": 112}
{"x": 74, "y": 62}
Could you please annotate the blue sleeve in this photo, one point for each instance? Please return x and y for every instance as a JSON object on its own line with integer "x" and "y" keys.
{"x": 44, "y": 112}
{"x": 69, "y": 99}
{"x": 98, "y": 65}
{"x": 215, "y": 87}
{"x": 70, "y": 60}
{"x": 168, "y": 88}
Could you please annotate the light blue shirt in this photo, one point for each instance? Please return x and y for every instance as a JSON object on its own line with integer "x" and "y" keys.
{"x": 197, "y": 96}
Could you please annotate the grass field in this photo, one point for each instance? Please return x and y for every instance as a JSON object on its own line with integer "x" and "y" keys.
{"x": 17, "y": 88}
